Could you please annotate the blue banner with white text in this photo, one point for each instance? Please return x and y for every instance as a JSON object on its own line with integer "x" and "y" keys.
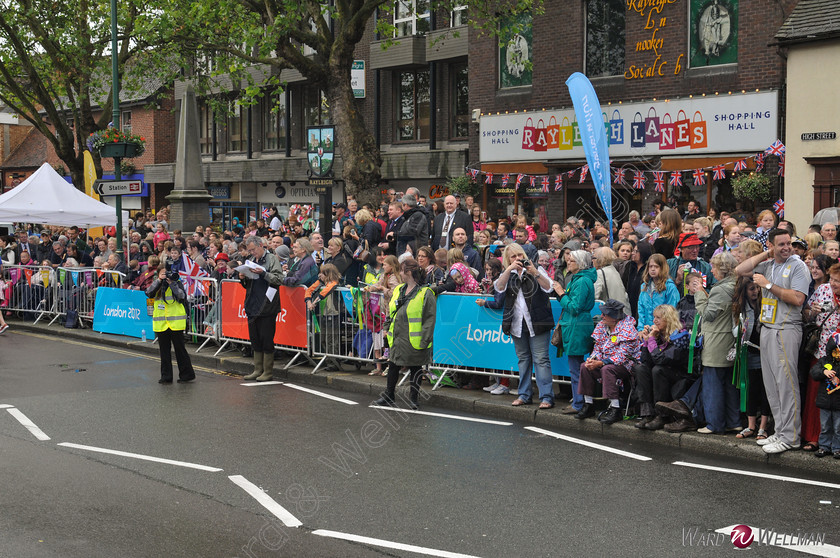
{"x": 123, "y": 312}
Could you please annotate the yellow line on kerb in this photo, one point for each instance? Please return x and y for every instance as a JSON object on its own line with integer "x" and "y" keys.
{"x": 119, "y": 351}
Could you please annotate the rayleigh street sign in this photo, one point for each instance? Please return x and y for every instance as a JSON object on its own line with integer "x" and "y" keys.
{"x": 118, "y": 187}
{"x": 736, "y": 123}
{"x": 357, "y": 79}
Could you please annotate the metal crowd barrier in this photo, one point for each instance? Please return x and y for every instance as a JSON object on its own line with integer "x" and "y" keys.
{"x": 26, "y": 290}
{"x": 204, "y": 310}
{"x": 74, "y": 290}
{"x": 342, "y": 326}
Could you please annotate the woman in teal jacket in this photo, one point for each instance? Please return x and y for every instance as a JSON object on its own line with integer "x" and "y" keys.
{"x": 658, "y": 288}
{"x": 577, "y": 301}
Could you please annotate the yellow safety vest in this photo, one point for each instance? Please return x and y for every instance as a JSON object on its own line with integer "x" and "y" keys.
{"x": 414, "y": 310}
{"x": 371, "y": 276}
{"x": 168, "y": 313}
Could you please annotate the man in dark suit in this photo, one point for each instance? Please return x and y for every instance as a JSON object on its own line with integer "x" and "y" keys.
{"x": 395, "y": 214}
{"x": 446, "y": 223}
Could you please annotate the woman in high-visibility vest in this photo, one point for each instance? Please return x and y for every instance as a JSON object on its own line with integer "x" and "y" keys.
{"x": 169, "y": 321}
{"x": 410, "y": 327}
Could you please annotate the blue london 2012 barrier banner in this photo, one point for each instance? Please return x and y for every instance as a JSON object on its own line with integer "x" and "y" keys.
{"x": 123, "y": 312}
{"x": 467, "y": 334}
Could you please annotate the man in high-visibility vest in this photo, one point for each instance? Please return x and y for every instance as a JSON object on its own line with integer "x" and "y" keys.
{"x": 169, "y": 320}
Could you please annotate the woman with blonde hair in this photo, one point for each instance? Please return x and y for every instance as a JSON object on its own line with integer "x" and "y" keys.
{"x": 747, "y": 249}
{"x": 657, "y": 288}
{"x": 814, "y": 240}
{"x": 662, "y": 374}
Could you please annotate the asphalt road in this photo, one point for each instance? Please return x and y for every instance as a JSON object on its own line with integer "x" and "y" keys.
{"x": 269, "y": 470}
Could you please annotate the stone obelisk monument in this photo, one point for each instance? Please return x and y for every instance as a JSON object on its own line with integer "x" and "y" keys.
{"x": 189, "y": 197}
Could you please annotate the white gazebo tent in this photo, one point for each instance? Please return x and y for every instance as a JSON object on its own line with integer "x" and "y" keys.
{"x": 46, "y": 198}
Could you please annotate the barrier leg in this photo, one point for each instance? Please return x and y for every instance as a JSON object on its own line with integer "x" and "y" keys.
{"x": 442, "y": 376}
{"x": 403, "y": 379}
{"x": 291, "y": 362}
{"x": 222, "y": 348}
{"x": 317, "y": 366}
{"x": 203, "y": 344}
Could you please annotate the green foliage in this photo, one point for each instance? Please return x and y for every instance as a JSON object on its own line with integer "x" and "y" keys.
{"x": 751, "y": 186}
{"x": 463, "y": 185}
{"x": 97, "y": 140}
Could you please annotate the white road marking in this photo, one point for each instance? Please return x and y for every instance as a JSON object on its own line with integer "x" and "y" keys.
{"x": 390, "y": 544}
{"x": 24, "y": 420}
{"x": 142, "y": 457}
{"x": 5, "y": 406}
{"x": 320, "y": 394}
{"x": 266, "y": 501}
{"x": 253, "y": 384}
{"x": 588, "y": 444}
{"x": 759, "y": 475}
{"x": 764, "y": 537}
{"x": 442, "y": 415}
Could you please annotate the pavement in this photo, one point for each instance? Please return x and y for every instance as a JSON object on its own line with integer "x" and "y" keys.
{"x": 475, "y": 402}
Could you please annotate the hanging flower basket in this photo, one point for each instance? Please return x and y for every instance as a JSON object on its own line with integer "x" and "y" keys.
{"x": 111, "y": 142}
{"x": 751, "y": 186}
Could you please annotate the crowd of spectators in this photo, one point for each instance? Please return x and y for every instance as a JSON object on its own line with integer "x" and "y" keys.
{"x": 712, "y": 322}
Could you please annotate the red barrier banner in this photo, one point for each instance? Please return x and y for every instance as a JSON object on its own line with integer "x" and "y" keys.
{"x": 291, "y": 321}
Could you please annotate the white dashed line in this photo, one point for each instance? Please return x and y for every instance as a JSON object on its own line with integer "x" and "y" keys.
{"x": 759, "y": 475}
{"x": 588, "y": 444}
{"x": 441, "y": 415}
{"x": 266, "y": 501}
{"x": 24, "y": 420}
{"x": 390, "y": 544}
{"x": 142, "y": 457}
{"x": 320, "y": 394}
{"x": 255, "y": 384}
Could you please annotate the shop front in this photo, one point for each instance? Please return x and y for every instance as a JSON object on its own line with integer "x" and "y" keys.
{"x": 685, "y": 148}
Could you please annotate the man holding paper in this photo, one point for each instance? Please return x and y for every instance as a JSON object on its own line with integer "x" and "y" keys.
{"x": 262, "y": 304}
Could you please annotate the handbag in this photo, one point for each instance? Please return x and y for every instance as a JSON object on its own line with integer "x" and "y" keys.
{"x": 362, "y": 252}
{"x": 557, "y": 336}
{"x": 811, "y": 332}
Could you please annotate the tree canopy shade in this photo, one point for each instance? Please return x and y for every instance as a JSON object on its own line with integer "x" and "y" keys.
{"x": 315, "y": 38}
{"x": 55, "y": 66}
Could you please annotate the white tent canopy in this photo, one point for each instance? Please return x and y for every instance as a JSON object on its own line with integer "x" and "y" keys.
{"x": 46, "y": 198}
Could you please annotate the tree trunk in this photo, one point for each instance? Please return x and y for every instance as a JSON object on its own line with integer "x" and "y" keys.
{"x": 359, "y": 154}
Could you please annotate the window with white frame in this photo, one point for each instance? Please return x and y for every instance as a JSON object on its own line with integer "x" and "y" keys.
{"x": 125, "y": 121}
{"x": 459, "y": 16}
{"x": 411, "y": 18}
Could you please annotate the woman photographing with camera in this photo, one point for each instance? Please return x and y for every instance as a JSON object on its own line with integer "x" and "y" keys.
{"x": 169, "y": 321}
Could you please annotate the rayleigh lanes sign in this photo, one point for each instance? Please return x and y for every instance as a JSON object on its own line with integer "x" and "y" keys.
{"x": 711, "y": 124}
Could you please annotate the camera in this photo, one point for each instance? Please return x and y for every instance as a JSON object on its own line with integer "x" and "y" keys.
{"x": 526, "y": 262}
{"x": 170, "y": 274}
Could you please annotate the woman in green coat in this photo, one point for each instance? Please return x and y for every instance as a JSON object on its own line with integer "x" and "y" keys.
{"x": 577, "y": 301}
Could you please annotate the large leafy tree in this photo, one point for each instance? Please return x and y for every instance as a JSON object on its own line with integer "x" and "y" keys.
{"x": 275, "y": 34}
{"x": 55, "y": 67}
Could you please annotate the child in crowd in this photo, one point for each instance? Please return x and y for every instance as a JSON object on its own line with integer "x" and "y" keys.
{"x": 828, "y": 398}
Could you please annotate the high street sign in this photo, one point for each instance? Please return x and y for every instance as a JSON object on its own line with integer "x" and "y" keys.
{"x": 118, "y": 187}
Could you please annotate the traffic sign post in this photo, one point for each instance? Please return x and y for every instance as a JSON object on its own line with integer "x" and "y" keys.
{"x": 118, "y": 187}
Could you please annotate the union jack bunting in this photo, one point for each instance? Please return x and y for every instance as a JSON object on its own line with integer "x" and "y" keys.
{"x": 782, "y": 166}
{"x": 505, "y": 179}
{"x": 519, "y": 179}
{"x": 759, "y": 162}
{"x": 533, "y": 181}
{"x": 265, "y": 213}
{"x": 639, "y": 180}
{"x": 488, "y": 178}
{"x": 189, "y": 274}
{"x": 473, "y": 173}
{"x": 676, "y": 179}
{"x": 619, "y": 177}
{"x": 545, "y": 183}
{"x": 779, "y": 208}
{"x": 571, "y": 173}
{"x": 699, "y": 177}
{"x": 558, "y": 183}
{"x": 740, "y": 165}
{"x": 720, "y": 172}
{"x": 659, "y": 181}
{"x": 776, "y": 148}
{"x": 584, "y": 170}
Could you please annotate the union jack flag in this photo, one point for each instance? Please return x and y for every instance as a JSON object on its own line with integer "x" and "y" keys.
{"x": 505, "y": 179}
{"x": 776, "y": 148}
{"x": 519, "y": 179}
{"x": 473, "y": 173}
{"x": 782, "y": 166}
{"x": 676, "y": 179}
{"x": 639, "y": 180}
{"x": 545, "y": 183}
{"x": 619, "y": 177}
{"x": 759, "y": 162}
{"x": 533, "y": 181}
{"x": 488, "y": 178}
{"x": 265, "y": 213}
{"x": 720, "y": 172}
{"x": 558, "y": 183}
{"x": 740, "y": 165}
{"x": 659, "y": 181}
{"x": 189, "y": 275}
{"x": 571, "y": 173}
{"x": 779, "y": 208}
{"x": 699, "y": 177}
{"x": 584, "y": 170}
